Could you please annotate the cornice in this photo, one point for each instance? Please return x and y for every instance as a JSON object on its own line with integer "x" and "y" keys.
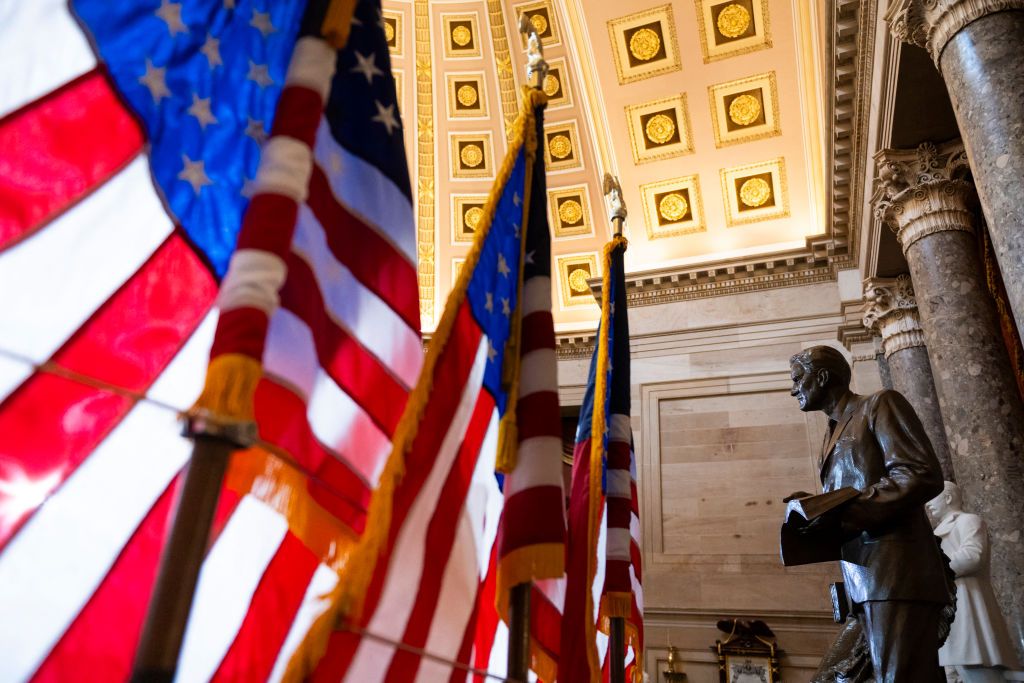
{"x": 931, "y": 24}
{"x": 918, "y": 192}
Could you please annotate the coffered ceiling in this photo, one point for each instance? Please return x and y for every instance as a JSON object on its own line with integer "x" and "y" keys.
{"x": 710, "y": 112}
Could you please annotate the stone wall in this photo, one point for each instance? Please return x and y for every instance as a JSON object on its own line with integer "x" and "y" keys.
{"x": 719, "y": 443}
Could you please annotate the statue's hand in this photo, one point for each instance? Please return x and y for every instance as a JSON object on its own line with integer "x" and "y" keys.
{"x": 794, "y": 496}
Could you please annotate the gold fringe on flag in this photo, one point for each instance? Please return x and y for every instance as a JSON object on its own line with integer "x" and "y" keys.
{"x": 231, "y": 380}
{"x": 346, "y": 600}
{"x": 338, "y": 22}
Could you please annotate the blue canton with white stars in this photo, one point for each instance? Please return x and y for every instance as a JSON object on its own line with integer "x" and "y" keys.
{"x": 492, "y": 292}
{"x": 203, "y": 77}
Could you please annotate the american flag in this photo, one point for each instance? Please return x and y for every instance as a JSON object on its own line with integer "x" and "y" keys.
{"x": 603, "y": 572}
{"x": 130, "y": 137}
{"x": 435, "y": 586}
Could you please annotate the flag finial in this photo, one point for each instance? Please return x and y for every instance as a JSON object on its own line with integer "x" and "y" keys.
{"x": 616, "y": 205}
{"x": 535, "y": 64}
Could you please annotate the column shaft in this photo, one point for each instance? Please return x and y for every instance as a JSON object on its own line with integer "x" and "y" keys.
{"x": 911, "y": 373}
{"x": 983, "y": 66}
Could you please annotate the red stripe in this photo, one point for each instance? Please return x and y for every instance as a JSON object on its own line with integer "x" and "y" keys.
{"x": 241, "y": 330}
{"x": 375, "y": 262}
{"x": 618, "y": 513}
{"x": 281, "y": 416}
{"x": 618, "y": 455}
{"x": 466, "y": 647}
{"x": 266, "y": 224}
{"x": 616, "y": 577}
{"x": 538, "y": 331}
{"x": 102, "y": 638}
{"x": 439, "y": 540}
{"x": 545, "y": 623}
{"x": 537, "y": 414}
{"x": 51, "y": 155}
{"x": 277, "y": 598}
{"x": 531, "y": 510}
{"x": 50, "y": 424}
{"x": 298, "y": 114}
{"x": 487, "y": 618}
{"x": 357, "y": 371}
{"x": 450, "y": 376}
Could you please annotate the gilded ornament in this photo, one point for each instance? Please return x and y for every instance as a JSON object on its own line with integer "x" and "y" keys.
{"x": 539, "y": 22}
{"x": 578, "y": 280}
{"x": 755, "y": 192}
{"x": 733, "y": 21}
{"x": 644, "y": 44}
{"x": 471, "y": 155}
{"x": 660, "y": 128}
{"x": 744, "y": 110}
{"x": 389, "y": 31}
{"x": 560, "y": 146}
{"x": 570, "y": 212}
{"x": 461, "y": 35}
{"x": 472, "y": 217}
{"x": 466, "y": 95}
{"x": 551, "y": 85}
{"x": 673, "y": 207}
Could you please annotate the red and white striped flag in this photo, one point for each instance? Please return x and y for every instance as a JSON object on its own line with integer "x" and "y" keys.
{"x": 130, "y": 138}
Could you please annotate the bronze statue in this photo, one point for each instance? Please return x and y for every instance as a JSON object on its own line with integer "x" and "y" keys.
{"x": 891, "y": 564}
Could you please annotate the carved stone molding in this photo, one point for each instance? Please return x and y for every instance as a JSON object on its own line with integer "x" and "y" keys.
{"x": 932, "y": 23}
{"x": 890, "y": 309}
{"x": 923, "y": 191}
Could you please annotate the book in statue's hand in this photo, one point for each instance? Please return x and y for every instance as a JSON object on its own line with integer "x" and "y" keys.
{"x": 809, "y": 533}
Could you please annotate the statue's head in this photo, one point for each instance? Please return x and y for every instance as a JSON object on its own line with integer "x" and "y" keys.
{"x": 818, "y": 372}
{"x": 944, "y": 503}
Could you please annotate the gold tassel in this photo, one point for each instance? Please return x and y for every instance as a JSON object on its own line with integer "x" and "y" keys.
{"x": 231, "y": 381}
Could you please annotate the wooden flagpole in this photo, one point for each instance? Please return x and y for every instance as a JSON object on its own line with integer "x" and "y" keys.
{"x": 617, "y": 640}
{"x": 156, "y": 659}
{"x": 519, "y": 595}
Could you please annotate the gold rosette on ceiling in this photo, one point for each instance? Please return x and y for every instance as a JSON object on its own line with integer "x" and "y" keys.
{"x": 560, "y": 146}
{"x": 472, "y": 217}
{"x": 461, "y": 35}
{"x": 578, "y": 280}
{"x": 744, "y": 110}
{"x": 471, "y": 155}
{"x": 673, "y": 206}
{"x": 755, "y": 192}
{"x": 733, "y": 21}
{"x": 660, "y": 129}
{"x": 644, "y": 44}
{"x": 467, "y": 95}
{"x": 570, "y": 211}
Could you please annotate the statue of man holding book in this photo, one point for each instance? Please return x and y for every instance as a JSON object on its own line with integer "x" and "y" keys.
{"x": 877, "y": 471}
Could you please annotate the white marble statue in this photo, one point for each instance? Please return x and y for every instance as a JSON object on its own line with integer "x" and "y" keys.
{"x": 978, "y": 644}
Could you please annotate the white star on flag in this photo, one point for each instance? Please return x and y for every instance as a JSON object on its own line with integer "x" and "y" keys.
{"x": 200, "y": 109}
{"x": 194, "y": 173}
{"x": 491, "y": 352}
{"x": 211, "y": 50}
{"x": 505, "y": 307}
{"x": 503, "y": 265}
{"x": 489, "y": 304}
{"x": 259, "y": 74}
{"x": 154, "y": 79}
{"x": 516, "y": 199}
{"x": 386, "y": 115}
{"x": 261, "y": 22}
{"x": 530, "y": 255}
{"x": 367, "y": 66}
{"x": 256, "y": 131}
{"x": 170, "y": 13}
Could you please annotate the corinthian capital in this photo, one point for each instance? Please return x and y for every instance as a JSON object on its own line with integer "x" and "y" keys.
{"x": 932, "y": 23}
{"x": 921, "y": 191}
{"x": 890, "y": 310}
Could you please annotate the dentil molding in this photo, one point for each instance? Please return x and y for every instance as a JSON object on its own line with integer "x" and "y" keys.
{"x": 890, "y": 309}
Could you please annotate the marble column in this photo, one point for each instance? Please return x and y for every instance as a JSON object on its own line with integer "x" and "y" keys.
{"x": 923, "y": 196}
{"x": 891, "y": 312}
{"x": 978, "y": 46}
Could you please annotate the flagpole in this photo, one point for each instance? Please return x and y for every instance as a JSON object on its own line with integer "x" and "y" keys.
{"x": 519, "y": 595}
{"x": 617, "y": 636}
{"x": 156, "y": 659}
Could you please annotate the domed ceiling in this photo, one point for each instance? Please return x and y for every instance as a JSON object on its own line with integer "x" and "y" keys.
{"x": 710, "y": 112}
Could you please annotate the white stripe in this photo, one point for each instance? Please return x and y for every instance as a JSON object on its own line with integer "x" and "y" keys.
{"x": 402, "y": 581}
{"x": 618, "y": 544}
{"x": 619, "y": 428}
{"x": 539, "y": 463}
{"x": 314, "y": 603}
{"x": 312, "y": 65}
{"x": 72, "y": 266}
{"x": 634, "y": 528}
{"x": 227, "y": 582}
{"x": 484, "y": 499}
{"x": 554, "y": 591}
{"x": 43, "y": 48}
{"x": 54, "y": 564}
{"x": 12, "y": 373}
{"x": 638, "y": 591}
{"x": 355, "y": 308}
{"x": 498, "y": 663}
{"x": 253, "y": 280}
{"x": 337, "y": 420}
{"x": 285, "y": 166}
{"x": 537, "y": 294}
{"x": 367, "y": 193}
{"x": 539, "y": 372}
{"x": 618, "y": 483}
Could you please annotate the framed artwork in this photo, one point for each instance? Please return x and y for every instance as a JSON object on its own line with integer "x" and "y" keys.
{"x": 748, "y": 654}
